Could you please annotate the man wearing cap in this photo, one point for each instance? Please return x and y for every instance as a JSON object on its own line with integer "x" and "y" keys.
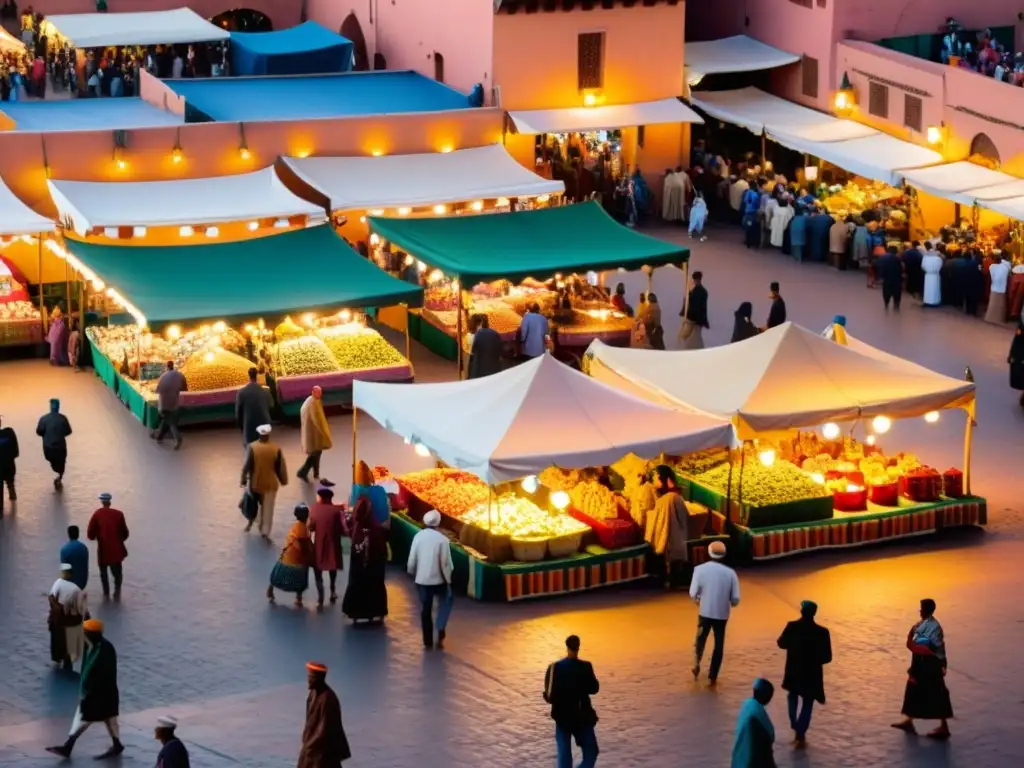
{"x": 716, "y": 590}
{"x": 55, "y": 429}
{"x": 326, "y": 527}
{"x": 8, "y": 454}
{"x": 808, "y": 648}
{"x": 107, "y": 527}
{"x": 314, "y": 434}
{"x": 252, "y": 408}
{"x": 324, "y": 744}
{"x": 172, "y": 752}
{"x": 263, "y": 472}
{"x": 99, "y": 700}
{"x": 430, "y": 564}
{"x": 568, "y": 685}
{"x": 67, "y": 607}
{"x": 754, "y": 741}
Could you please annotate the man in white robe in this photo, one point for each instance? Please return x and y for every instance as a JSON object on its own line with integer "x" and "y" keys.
{"x": 72, "y": 602}
{"x": 931, "y": 264}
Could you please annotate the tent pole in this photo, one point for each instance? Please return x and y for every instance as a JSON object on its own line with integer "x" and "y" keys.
{"x": 686, "y": 285}
{"x": 42, "y": 313}
{"x": 81, "y": 304}
{"x": 763, "y": 157}
{"x": 408, "y": 340}
{"x": 650, "y": 280}
{"x": 459, "y": 330}
{"x": 968, "y": 436}
{"x": 355, "y": 412}
{"x": 743, "y": 461}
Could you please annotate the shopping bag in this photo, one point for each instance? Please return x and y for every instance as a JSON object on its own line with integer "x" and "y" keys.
{"x": 249, "y": 504}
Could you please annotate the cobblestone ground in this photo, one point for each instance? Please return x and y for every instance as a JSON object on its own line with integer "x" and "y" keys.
{"x": 197, "y": 639}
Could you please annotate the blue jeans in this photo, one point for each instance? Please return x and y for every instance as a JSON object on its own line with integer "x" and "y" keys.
{"x": 588, "y": 746}
{"x": 428, "y": 593}
{"x": 802, "y": 721}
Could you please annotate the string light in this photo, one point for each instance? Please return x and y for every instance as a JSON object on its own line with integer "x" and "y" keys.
{"x": 212, "y": 232}
{"x": 931, "y": 417}
{"x": 186, "y": 231}
{"x": 529, "y": 484}
{"x": 377, "y": 212}
{"x": 830, "y": 431}
{"x": 440, "y": 210}
{"x": 244, "y": 153}
{"x": 253, "y": 226}
{"x": 110, "y": 232}
{"x": 404, "y": 211}
{"x": 177, "y": 156}
{"x": 881, "y": 424}
{"x": 478, "y": 205}
{"x": 138, "y": 231}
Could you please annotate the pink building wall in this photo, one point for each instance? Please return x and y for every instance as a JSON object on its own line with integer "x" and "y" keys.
{"x": 283, "y": 13}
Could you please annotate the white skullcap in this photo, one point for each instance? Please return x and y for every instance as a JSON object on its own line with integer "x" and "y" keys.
{"x": 263, "y": 429}
{"x": 166, "y": 722}
{"x": 432, "y": 519}
{"x": 66, "y": 567}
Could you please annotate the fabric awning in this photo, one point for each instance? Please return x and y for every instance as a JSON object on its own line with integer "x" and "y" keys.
{"x": 784, "y": 378}
{"x": 96, "y": 30}
{"x": 537, "y": 244}
{"x": 738, "y": 53}
{"x": 302, "y": 270}
{"x": 603, "y": 117}
{"x": 305, "y": 49}
{"x": 256, "y": 195}
{"x": 16, "y": 218}
{"x": 964, "y": 182}
{"x": 391, "y": 181}
{"x": 536, "y": 415}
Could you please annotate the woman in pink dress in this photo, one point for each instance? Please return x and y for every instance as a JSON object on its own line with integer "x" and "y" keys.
{"x": 327, "y": 526}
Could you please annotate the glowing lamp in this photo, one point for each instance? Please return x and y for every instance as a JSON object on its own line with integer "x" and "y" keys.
{"x": 830, "y": 431}
{"x": 931, "y": 417}
{"x": 529, "y": 484}
{"x": 881, "y": 424}
{"x": 934, "y": 134}
{"x": 422, "y": 450}
{"x": 97, "y": 284}
{"x": 307, "y": 319}
{"x": 377, "y": 212}
{"x": 138, "y": 231}
{"x": 377, "y": 152}
{"x": 446, "y": 148}
{"x": 253, "y": 226}
{"x": 843, "y": 101}
{"x": 589, "y": 100}
{"x": 767, "y": 457}
{"x": 173, "y": 332}
{"x": 110, "y": 232}
{"x": 560, "y": 499}
{"x": 421, "y": 267}
{"x": 502, "y": 202}
{"x": 440, "y": 210}
{"x": 121, "y": 165}
{"x": 220, "y": 326}
{"x": 869, "y": 440}
{"x": 478, "y": 205}
{"x": 186, "y": 231}
{"x": 374, "y": 239}
{"x": 212, "y": 232}
{"x": 543, "y": 198}
{"x": 244, "y": 153}
{"x": 177, "y": 156}
{"x": 345, "y": 315}
{"x": 404, "y": 211}
{"x": 362, "y": 219}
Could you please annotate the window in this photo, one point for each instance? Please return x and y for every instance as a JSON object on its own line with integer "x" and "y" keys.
{"x": 805, "y": 3}
{"x": 809, "y": 70}
{"x": 590, "y": 60}
{"x": 878, "y": 100}
{"x": 438, "y": 67}
{"x": 912, "y": 112}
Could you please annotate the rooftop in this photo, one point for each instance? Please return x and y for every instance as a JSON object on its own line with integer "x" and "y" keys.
{"x": 86, "y": 115}
{"x": 306, "y": 97}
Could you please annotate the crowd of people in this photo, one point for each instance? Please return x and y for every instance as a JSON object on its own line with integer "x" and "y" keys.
{"x": 982, "y": 53}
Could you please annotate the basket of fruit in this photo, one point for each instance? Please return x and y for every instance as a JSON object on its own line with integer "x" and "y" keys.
{"x": 529, "y": 549}
{"x": 922, "y": 484}
{"x": 565, "y": 545}
{"x": 853, "y": 499}
{"x": 953, "y": 483}
{"x": 885, "y": 494}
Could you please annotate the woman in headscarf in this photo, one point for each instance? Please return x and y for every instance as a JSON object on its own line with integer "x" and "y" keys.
{"x": 652, "y": 323}
{"x": 926, "y": 696}
{"x": 667, "y": 526}
{"x": 1016, "y": 360}
{"x": 366, "y": 597}
{"x": 743, "y": 327}
{"x": 291, "y": 572}
{"x": 365, "y": 487}
{"x": 754, "y": 741}
{"x": 58, "y": 338}
{"x": 619, "y": 299}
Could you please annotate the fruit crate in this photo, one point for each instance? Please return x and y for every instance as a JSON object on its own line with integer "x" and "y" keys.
{"x": 611, "y": 534}
{"x": 786, "y": 513}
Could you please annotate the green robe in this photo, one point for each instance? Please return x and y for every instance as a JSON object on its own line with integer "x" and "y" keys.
{"x": 99, "y": 698}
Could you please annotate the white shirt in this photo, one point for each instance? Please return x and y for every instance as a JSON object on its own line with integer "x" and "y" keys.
{"x": 715, "y": 588}
{"x": 70, "y": 597}
{"x": 430, "y": 558}
{"x": 736, "y": 193}
{"x": 999, "y": 273}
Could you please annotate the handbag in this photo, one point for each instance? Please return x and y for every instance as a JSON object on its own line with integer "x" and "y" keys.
{"x": 250, "y": 504}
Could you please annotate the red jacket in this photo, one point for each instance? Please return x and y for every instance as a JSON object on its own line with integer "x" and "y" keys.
{"x": 109, "y": 530}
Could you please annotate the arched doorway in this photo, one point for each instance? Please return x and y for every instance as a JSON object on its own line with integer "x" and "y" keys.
{"x": 352, "y": 30}
{"x": 243, "y": 20}
{"x": 984, "y": 152}
{"x": 438, "y": 67}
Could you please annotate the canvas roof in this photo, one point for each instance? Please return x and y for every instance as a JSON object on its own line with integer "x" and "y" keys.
{"x": 16, "y": 218}
{"x": 303, "y": 270}
{"x": 302, "y": 49}
{"x": 538, "y": 243}
{"x": 96, "y": 30}
{"x": 967, "y": 183}
{"x": 784, "y": 378}
{"x": 125, "y": 113}
{"x": 255, "y": 195}
{"x": 738, "y": 53}
{"x": 390, "y": 181}
{"x": 539, "y": 414}
{"x": 599, "y": 118}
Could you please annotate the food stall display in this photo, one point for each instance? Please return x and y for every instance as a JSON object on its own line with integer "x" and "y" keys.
{"x": 20, "y": 321}
{"x": 882, "y": 202}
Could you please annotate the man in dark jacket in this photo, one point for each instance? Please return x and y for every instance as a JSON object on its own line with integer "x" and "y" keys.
{"x": 8, "y": 454}
{"x": 777, "y": 314}
{"x": 252, "y": 408}
{"x": 808, "y": 648}
{"x": 55, "y": 429}
{"x": 912, "y": 258}
{"x": 889, "y": 269}
{"x": 695, "y": 315}
{"x": 485, "y": 354}
{"x": 99, "y": 700}
{"x": 568, "y": 686}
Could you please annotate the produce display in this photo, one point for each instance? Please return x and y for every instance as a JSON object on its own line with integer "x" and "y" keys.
{"x": 216, "y": 369}
{"x": 304, "y": 355}
{"x": 522, "y": 519}
{"x": 451, "y": 491}
{"x": 595, "y": 500}
{"x": 764, "y": 486}
{"x": 356, "y": 350}
{"x": 860, "y": 195}
{"x": 18, "y": 310}
{"x": 560, "y": 479}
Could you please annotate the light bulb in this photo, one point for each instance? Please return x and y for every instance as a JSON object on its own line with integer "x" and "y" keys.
{"x": 374, "y": 239}
{"x": 176, "y": 155}
{"x": 307, "y": 319}
{"x": 404, "y": 211}
{"x": 560, "y": 499}
{"x": 440, "y": 210}
{"x": 345, "y": 315}
{"x": 589, "y": 100}
{"x": 138, "y": 231}
{"x": 186, "y": 231}
{"x": 502, "y": 202}
{"x": 931, "y": 417}
{"x": 869, "y": 440}
{"x": 529, "y": 483}
{"x": 830, "y": 431}
{"x": 543, "y": 198}
{"x": 478, "y": 205}
{"x": 173, "y": 332}
{"x": 377, "y": 152}
{"x": 422, "y": 450}
{"x": 362, "y": 219}
{"x": 767, "y": 457}
{"x": 244, "y": 153}
{"x": 446, "y": 148}
{"x": 97, "y": 284}
{"x": 208, "y": 357}
{"x": 377, "y": 212}
{"x": 253, "y": 226}
{"x": 881, "y": 424}
{"x": 220, "y": 326}
{"x": 212, "y": 232}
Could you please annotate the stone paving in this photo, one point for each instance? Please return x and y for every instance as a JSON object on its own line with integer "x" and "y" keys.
{"x": 197, "y": 639}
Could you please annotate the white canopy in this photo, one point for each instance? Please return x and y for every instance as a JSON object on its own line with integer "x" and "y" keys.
{"x": 256, "y": 195}
{"x": 738, "y": 53}
{"x": 16, "y": 218}
{"x": 9, "y": 43}
{"x": 536, "y": 415}
{"x": 965, "y": 182}
{"x": 604, "y": 117}
{"x": 364, "y": 183}
{"x": 95, "y": 30}
{"x": 784, "y": 378}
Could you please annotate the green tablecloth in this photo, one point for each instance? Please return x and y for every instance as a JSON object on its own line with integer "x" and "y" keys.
{"x": 433, "y": 338}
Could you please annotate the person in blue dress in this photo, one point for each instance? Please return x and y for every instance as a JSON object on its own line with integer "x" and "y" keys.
{"x": 364, "y": 486}
{"x": 754, "y": 741}
{"x": 76, "y": 554}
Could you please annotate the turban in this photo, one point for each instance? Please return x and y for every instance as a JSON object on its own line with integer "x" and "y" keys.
{"x": 263, "y": 429}
{"x": 93, "y": 625}
{"x": 315, "y": 666}
{"x": 432, "y": 519}
{"x": 168, "y": 723}
{"x": 716, "y": 550}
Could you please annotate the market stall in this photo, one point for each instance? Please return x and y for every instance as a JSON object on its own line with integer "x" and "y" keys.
{"x": 790, "y": 490}
{"x": 306, "y": 49}
{"x": 24, "y": 262}
{"x": 517, "y": 482}
{"x": 501, "y": 264}
{"x": 295, "y": 306}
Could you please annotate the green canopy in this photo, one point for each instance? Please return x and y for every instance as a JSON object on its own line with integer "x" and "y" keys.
{"x": 537, "y": 244}
{"x": 303, "y": 270}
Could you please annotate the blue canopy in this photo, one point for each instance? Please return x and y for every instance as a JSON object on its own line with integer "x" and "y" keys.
{"x": 303, "y": 50}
